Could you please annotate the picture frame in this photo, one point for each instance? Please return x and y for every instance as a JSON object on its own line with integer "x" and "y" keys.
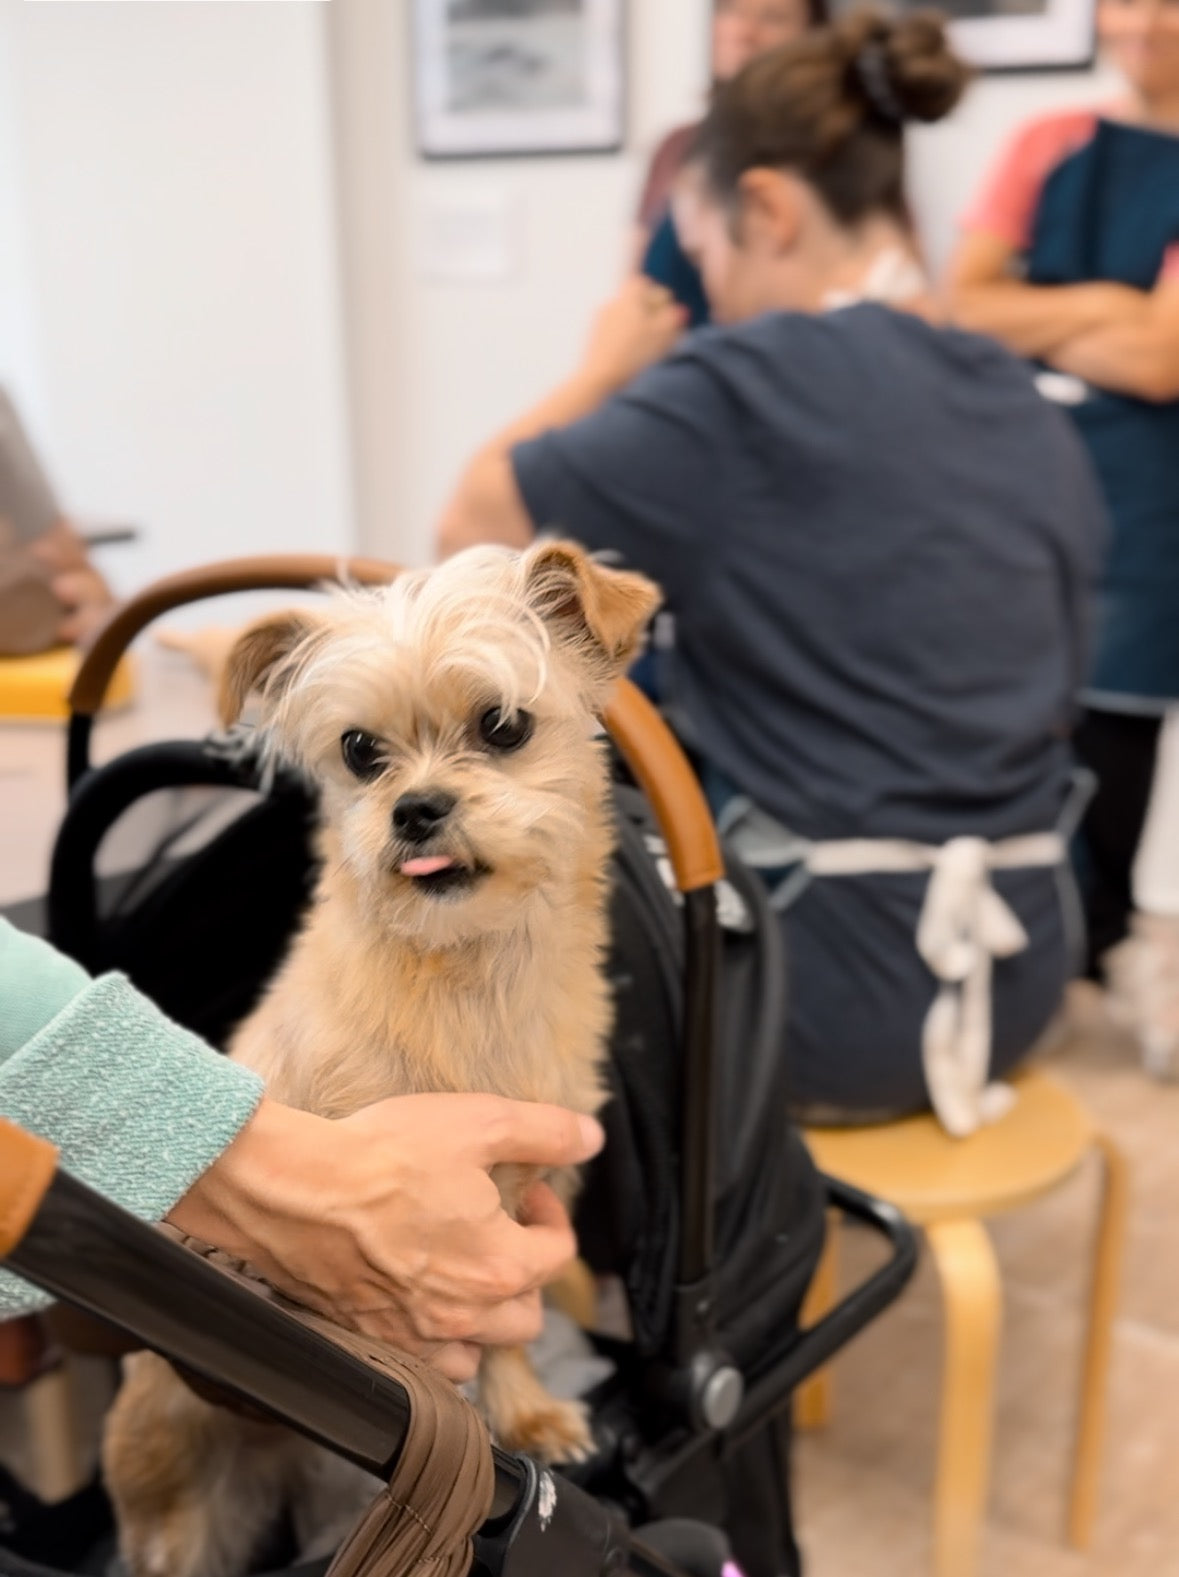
{"x": 1015, "y": 35}
{"x": 1024, "y": 35}
{"x": 507, "y": 78}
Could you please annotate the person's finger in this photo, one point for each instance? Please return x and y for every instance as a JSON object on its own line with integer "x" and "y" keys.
{"x": 540, "y": 1207}
{"x": 527, "y": 1257}
{"x": 535, "y": 1134}
{"x": 513, "y": 1323}
{"x": 72, "y": 587}
{"x": 458, "y": 1361}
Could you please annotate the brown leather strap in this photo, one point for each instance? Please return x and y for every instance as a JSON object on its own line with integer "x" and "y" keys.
{"x": 27, "y": 1165}
{"x": 275, "y": 572}
{"x": 664, "y": 774}
{"x": 441, "y": 1490}
{"x": 440, "y": 1494}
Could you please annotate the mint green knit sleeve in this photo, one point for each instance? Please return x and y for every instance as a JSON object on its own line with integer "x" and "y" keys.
{"x": 137, "y": 1106}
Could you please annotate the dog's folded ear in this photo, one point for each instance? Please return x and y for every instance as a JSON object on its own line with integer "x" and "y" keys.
{"x": 260, "y": 655}
{"x": 602, "y": 611}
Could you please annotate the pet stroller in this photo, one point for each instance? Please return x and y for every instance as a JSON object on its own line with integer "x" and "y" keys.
{"x": 704, "y": 1203}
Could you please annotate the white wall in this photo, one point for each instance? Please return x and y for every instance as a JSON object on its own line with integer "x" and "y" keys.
{"x": 20, "y": 359}
{"x": 171, "y": 316}
{"x": 471, "y": 354}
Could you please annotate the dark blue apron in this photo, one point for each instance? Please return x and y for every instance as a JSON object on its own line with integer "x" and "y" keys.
{"x": 1109, "y": 212}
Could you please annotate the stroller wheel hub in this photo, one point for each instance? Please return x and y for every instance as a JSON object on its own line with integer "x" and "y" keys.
{"x": 721, "y": 1396}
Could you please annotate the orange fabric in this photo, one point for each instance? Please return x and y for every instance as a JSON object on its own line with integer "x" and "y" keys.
{"x": 27, "y": 1165}
{"x": 1006, "y": 206}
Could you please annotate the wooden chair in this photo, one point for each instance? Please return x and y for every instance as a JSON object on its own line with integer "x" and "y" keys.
{"x": 949, "y": 1187}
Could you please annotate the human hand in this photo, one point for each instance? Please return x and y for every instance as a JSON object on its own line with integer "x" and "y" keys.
{"x": 86, "y": 600}
{"x": 388, "y": 1221}
{"x": 85, "y": 597}
{"x": 632, "y": 332}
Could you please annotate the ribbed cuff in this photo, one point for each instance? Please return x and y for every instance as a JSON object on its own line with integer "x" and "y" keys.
{"x": 137, "y": 1106}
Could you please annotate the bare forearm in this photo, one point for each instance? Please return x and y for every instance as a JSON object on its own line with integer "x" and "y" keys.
{"x": 569, "y": 402}
{"x": 1036, "y": 320}
{"x": 1126, "y": 358}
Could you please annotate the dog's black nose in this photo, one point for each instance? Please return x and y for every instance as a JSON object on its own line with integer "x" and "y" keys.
{"x": 417, "y": 816}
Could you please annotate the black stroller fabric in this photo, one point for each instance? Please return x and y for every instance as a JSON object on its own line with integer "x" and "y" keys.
{"x": 206, "y": 913}
{"x": 769, "y": 1210}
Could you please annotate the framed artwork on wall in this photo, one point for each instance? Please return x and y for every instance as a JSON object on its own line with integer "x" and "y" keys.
{"x": 1024, "y": 35}
{"x": 504, "y": 77}
{"x": 1016, "y": 35}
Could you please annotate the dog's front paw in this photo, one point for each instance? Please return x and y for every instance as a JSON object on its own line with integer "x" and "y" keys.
{"x": 551, "y": 1431}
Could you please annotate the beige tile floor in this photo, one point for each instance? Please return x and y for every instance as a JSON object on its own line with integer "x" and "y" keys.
{"x": 863, "y": 1483}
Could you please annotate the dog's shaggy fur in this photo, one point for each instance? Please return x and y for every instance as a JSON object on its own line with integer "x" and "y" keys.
{"x": 482, "y": 973}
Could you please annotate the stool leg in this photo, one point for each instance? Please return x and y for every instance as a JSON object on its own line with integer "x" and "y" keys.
{"x": 812, "y": 1401}
{"x": 973, "y": 1302}
{"x": 1103, "y": 1294}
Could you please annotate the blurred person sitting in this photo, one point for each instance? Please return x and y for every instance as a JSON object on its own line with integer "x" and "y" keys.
{"x": 1071, "y": 258}
{"x": 741, "y": 30}
{"x": 50, "y": 592}
{"x": 878, "y": 543}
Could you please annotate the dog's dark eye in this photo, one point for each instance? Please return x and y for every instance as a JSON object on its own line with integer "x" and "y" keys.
{"x": 504, "y": 730}
{"x": 363, "y": 755}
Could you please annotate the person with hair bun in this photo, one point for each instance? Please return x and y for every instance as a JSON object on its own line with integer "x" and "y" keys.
{"x": 741, "y": 31}
{"x": 878, "y": 543}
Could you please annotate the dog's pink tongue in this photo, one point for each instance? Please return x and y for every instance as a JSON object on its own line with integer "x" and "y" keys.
{"x": 427, "y": 865}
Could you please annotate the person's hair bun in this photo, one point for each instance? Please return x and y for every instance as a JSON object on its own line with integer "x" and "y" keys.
{"x": 831, "y": 107}
{"x": 904, "y": 68}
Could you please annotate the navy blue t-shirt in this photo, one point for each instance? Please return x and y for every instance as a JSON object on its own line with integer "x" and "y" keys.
{"x": 880, "y": 546}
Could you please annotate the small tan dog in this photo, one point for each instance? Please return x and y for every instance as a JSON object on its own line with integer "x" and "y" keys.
{"x": 456, "y": 942}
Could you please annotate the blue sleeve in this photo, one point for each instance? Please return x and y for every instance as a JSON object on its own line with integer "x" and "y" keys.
{"x": 648, "y": 476}
{"x": 668, "y": 264}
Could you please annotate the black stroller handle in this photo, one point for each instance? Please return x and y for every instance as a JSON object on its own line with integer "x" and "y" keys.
{"x": 78, "y": 1246}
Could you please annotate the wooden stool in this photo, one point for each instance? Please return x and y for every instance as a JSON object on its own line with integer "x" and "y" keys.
{"x": 948, "y": 1186}
{"x": 34, "y": 689}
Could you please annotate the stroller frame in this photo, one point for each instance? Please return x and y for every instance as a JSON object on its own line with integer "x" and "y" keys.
{"x": 90, "y": 1254}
